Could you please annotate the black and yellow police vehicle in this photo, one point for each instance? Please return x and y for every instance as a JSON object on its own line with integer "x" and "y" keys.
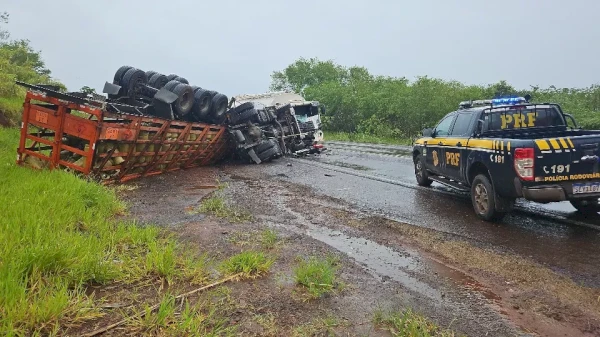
{"x": 507, "y": 148}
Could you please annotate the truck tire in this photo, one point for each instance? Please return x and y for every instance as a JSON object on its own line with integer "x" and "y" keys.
{"x": 196, "y": 88}
{"x": 120, "y": 73}
{"x": 263, "y": 146}
{"x": 421, "y": 173}
{"x": 171, "y": 85}
{"x": 586, "y": 206}
{"x": 202, "y": 104}
{"x": 172, "y": 77}
{"x": 263, "y": 117}
{"x": 150, "y": 73}
{"x": 219, "y": 120}
{"x": 183, "y": 105}
{"x": 181, "y": 79}
{"x": 484, "y": 198}
{"x": 243, "y": 117}
{"x": 243, "y": 107}
{"x": 269, "y": 154}
{"x": 158, "y": 81}
{"x": 212, "y": 93}
{"x": 219, "y": 107}
{"x": 132, "y": 81}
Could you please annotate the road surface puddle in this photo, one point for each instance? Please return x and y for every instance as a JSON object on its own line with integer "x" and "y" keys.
{"x": 380, "y": 261}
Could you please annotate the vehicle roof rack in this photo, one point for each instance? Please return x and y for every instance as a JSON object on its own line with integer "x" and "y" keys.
{"x": 475, "y": 103}
{"x": 500, "y": 101}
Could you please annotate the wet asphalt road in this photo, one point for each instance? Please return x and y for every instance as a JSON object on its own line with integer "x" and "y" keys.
{"x": 380, "y": 179}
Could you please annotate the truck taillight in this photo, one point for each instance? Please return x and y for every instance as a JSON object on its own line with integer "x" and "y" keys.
{"x": 524, "y": 160}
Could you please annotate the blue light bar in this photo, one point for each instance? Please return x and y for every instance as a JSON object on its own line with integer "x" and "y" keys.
{"x": 508, "y": 101}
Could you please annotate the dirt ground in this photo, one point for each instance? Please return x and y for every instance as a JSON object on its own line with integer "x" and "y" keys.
{"x": 4, "y": 121}
{"x": 384, "y": 266}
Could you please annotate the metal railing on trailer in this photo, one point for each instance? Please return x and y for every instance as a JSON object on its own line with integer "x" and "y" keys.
{"x": 65, "y": 131}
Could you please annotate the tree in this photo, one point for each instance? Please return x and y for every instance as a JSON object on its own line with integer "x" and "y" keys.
{"x": 304, "y": 73}
{"x": 22, "y": 54}
{"x": 357, "y": 101}
{"x": 87, "y": 90}
{"x": 19, "y": 61}
{"x": 4, "y": 34}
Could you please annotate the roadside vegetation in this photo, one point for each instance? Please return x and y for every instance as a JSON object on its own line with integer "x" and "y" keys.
{"x": 364, "y": 138}
{"x": 370, "y": 108}
{"x": 248, "y": 264}
{"x": 18, "y": 61}
{"x": 59, "y": 234}
{"x": 317, "y": 276}
{"x": 409, "y": 324}
{"x": 217, "y": 206}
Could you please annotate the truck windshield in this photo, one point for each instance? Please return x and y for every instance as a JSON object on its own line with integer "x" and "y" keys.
{"x": 520, "y": 117}
{"x": 306, "y": 110}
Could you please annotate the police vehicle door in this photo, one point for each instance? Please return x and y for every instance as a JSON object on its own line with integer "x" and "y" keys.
{"x": 456, "y": 143}
{"x": 435, "y": 146}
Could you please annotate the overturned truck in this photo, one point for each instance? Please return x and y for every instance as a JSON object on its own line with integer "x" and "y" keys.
{"x": 276, "y": 123}
{"x": 150, "y": 123}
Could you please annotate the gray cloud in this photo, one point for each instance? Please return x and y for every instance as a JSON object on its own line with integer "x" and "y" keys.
{"x": 233, "y": 46}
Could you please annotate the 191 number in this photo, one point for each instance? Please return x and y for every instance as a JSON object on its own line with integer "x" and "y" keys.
{"x": 557, "y": 169}
{"x": 496, "y": 158}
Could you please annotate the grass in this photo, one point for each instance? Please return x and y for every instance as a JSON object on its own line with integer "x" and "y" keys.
{"x": 216, "y": 205}
{"x": 58, "y": 234}
{"x": 268, "y": 239}
{"x": 317, "y": 276}
{"x": 12, "y": 108}
{"x": 409, "y": 324}
{"x": 185, "y": 319}
{"x": 364, "y": 138}
{"x": 250, "y": 264}
{"x": 318, "y": 327}
{"x": 268, "y": 322}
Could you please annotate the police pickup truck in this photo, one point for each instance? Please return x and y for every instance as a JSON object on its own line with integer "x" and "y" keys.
{"x": 507, "y": 148}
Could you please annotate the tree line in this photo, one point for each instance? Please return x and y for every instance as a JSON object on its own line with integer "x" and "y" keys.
{"x": 357, "y": 101}
{"x": 19, "y": 61}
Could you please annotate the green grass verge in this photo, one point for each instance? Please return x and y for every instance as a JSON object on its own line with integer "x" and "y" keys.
{"x": 317, "y": 276}
{"x": 249, "y": 264}
{"x": 409, "y": 324}
{"x": 57, "y": 235}
{"x": 181, "y": 319}
{"x": 364, "y": 138}
{"x": 216, "y": 205}
{"x": 12, "y": 108}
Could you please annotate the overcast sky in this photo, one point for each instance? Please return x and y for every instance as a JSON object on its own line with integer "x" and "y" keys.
{"x": 234, "y": 46}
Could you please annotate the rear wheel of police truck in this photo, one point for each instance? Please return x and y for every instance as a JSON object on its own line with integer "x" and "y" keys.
{"x": 484, "y": 199}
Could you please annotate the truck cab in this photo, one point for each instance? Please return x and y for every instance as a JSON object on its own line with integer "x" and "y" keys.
{"x": 503, "y": 149}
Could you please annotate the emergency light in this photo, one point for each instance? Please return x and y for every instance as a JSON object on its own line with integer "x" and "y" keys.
{"x": 508, "y": 101}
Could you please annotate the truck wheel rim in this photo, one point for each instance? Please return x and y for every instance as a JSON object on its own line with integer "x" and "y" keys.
{"x": 481, "y": 199}
{"x": 419, "y": 169}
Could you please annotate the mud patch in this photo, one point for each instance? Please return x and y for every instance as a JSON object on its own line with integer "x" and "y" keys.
{"x": 531, "y": 295}
{"x": 4, "y": 121}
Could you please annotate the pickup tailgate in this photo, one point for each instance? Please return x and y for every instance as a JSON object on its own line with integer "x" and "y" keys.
{"x": 568, "y": 159}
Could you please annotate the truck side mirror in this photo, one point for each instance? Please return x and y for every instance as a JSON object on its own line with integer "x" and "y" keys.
{"x": 428, "y": 132}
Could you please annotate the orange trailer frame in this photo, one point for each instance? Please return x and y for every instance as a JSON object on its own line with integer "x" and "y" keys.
{"x": 112, "y": 147}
